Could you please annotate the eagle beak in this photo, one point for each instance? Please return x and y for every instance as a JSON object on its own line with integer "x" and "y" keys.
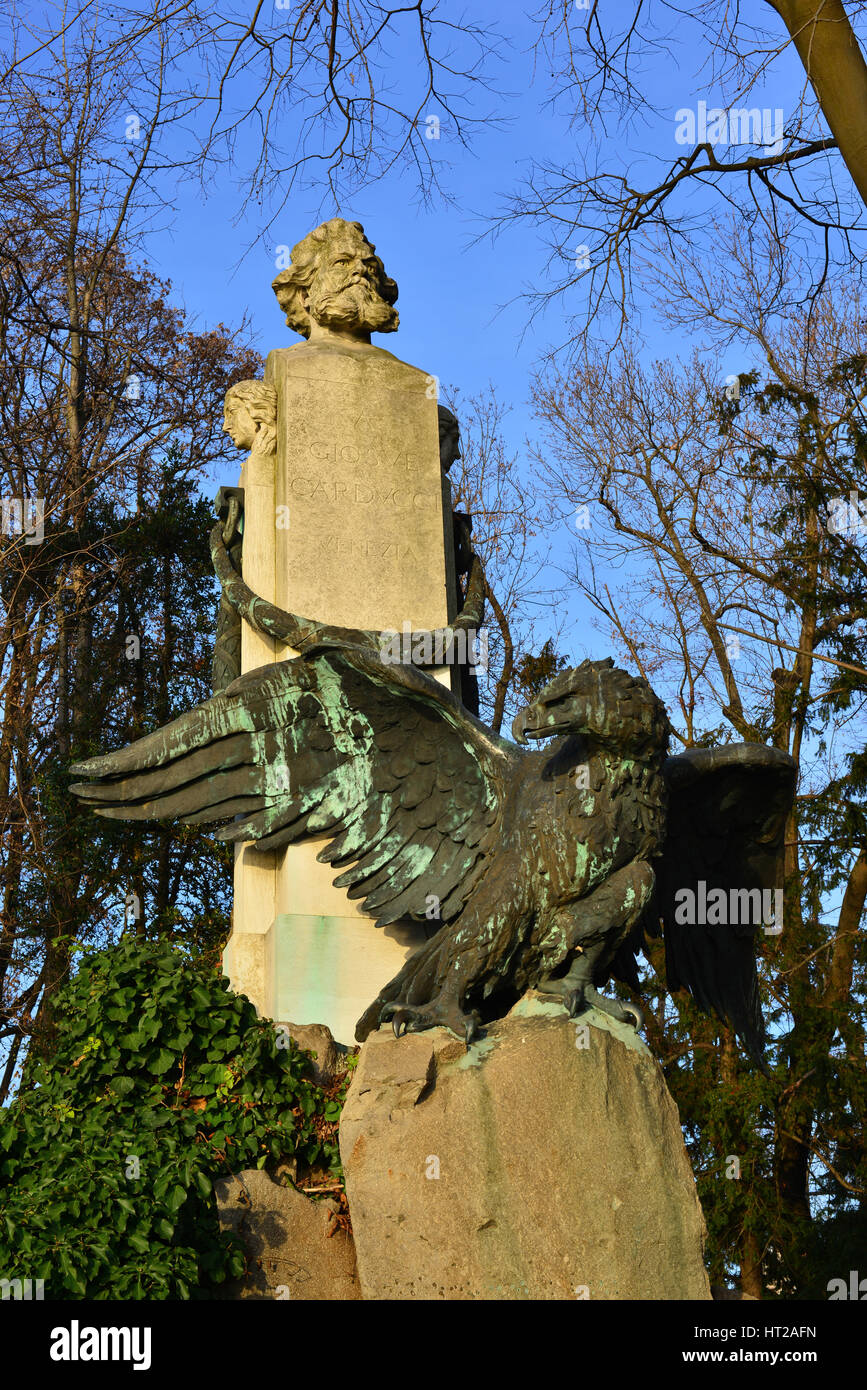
{"x": 538, "y": 721}
{"x": 526, "y": 722}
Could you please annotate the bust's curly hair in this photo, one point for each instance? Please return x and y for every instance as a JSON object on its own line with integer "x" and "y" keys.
{"x": 299, "y": 276}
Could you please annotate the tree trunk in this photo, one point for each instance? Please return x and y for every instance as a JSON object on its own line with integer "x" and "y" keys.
{"x": 835, "y": 65}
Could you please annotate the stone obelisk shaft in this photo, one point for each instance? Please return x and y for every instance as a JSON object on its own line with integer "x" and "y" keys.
{"x": 359, "y": 535}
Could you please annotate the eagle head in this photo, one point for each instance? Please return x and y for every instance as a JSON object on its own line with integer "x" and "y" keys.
{"x": 603, "y": 703}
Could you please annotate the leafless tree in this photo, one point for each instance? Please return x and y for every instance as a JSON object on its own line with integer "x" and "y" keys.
{"x": 723, "y": 555}
{"x": 331, "y": 94}
{"x": 511, "y": 536}
{"x": 101, "y": 376}
{"x": 606, "y": 212}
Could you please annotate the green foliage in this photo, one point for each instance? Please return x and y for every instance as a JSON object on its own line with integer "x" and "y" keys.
{"x": 162, "y": 1082}
{"x": 836, "y": 1246}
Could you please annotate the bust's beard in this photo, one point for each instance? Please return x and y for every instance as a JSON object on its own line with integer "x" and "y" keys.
{"x": 358, "y": 306}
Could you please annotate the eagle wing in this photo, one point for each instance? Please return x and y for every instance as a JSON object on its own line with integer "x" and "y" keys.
{"x": 379, "y": 757}
{"x": 727, "y": 813}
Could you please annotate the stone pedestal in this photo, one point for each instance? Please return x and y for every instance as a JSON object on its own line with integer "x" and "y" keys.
{"x": 354, "y": 529}
{"x": 362, "y": 541}
{"x": 294, "y": 1248}
{"x": 249, "y": 954}
{"x": 547, "y": 1162}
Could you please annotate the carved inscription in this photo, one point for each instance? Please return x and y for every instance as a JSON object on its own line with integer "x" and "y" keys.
{"x": 358, "y": 548}
{"x": 333, "y": 490}
{"x": 329, "y": 451}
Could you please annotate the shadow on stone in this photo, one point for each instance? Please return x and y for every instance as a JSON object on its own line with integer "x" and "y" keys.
{"x": 294, "y": 1247}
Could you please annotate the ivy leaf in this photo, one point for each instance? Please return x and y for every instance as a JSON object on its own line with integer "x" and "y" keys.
{"x": 176, "y": 1198}
{"x": 67, "y": 1183}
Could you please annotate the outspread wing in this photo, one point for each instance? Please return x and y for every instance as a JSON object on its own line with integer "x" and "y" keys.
{"x": 379, "y": 757}
{"x": 727, "y": 816}
{"x": 727, "y": 813}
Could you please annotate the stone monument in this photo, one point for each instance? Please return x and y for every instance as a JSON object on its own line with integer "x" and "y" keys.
{"x": 496, "y": 1154}
{"x": 347, "y": 516}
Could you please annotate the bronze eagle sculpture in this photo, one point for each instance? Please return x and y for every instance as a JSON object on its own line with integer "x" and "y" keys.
{"x": 546, "y": 864}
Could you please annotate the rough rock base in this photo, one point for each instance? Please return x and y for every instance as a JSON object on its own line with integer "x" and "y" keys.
{"x": 293, "y": 1250}
{"x": 546, "y": 1162}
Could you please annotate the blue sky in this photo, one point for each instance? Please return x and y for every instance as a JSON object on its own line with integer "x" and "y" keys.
{"x": 450, "y": 290}
{"x": 462, "y": 315}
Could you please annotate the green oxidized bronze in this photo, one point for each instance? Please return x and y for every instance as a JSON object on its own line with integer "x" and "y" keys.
{"x": 540, "y": 868}
{"x": 226, "y": 667}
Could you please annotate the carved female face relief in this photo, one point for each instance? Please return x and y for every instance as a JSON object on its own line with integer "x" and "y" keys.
{"x": 250, "y": 416}
{"x": 239, "y": 424}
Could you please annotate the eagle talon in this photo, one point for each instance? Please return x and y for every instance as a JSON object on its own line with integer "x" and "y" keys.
{"x": 399, "y": 1016}
{"x": 571, "y": 996}
{"x": 411, "y": 1018}
{"x": 624, "y": 1013}
{"x": 574, "y": 1002}
{"x": 637, "y": 1015}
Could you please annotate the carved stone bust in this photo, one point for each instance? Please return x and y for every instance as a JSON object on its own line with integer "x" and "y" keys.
{"x": 336, "y": 286}
{"x": 450, "y": 437}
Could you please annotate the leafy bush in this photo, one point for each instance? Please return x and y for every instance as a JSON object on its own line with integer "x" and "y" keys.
{"x": 163, "y": 1081}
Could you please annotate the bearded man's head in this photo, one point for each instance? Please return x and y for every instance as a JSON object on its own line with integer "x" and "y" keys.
{"x": 336, "y": 280}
